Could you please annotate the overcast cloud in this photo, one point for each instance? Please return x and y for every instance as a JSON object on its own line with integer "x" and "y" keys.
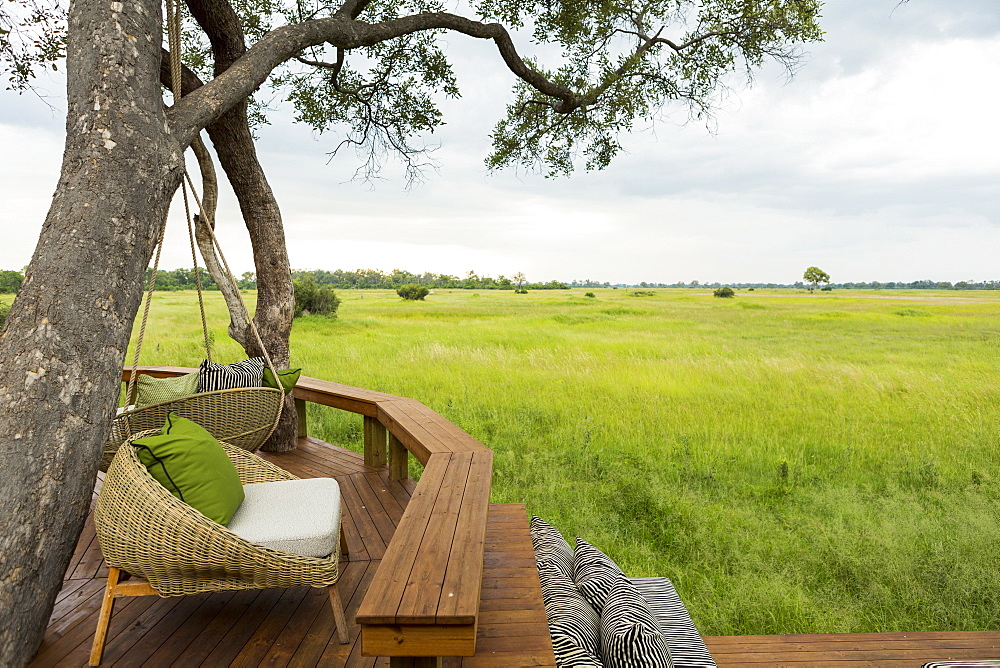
{"x": 877, "y": 161}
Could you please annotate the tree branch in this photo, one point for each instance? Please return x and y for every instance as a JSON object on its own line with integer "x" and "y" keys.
{"x": 247, "y": 73}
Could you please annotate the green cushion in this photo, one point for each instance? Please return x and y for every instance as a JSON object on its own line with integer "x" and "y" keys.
{"x": 151, "y": 390}
{"x": 191, "y": 464}
{"x": 287, "y": 378}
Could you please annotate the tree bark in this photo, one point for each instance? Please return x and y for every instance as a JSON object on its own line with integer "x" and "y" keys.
{"x": 238, "y": 157}
{"x": 65, "y": 340}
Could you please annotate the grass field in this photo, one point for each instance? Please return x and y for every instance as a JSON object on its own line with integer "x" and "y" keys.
{"x": 795, "y": 463}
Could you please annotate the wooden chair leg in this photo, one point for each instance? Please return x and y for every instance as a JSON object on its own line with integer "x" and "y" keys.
{"x": 338, "y": 614}
{"x": 104, "y": 618}
{"x": 343, "y": 540}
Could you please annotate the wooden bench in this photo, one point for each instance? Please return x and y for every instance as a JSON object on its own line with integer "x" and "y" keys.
{"x": 424, "y": 600}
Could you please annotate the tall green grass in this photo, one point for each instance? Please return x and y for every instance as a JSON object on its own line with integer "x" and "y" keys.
{"x": 795, "y": 463}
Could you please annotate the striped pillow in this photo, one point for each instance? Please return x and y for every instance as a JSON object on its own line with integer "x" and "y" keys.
{"x": 596, "y": 574}
{"x": 248, "y": 373}
{"x": 573, "y": 624}
{"x": 550, "y": 545}
{"x": 687, "y": 649}
{"x": 630, "y": 633}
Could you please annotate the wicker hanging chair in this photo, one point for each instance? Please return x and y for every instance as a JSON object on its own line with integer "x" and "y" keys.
{"x": 244, "y": 417}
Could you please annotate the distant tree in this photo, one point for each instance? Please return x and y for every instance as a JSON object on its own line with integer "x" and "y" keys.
{"x": 10, "y": 281}
{"x": 248, "y": 281}
{"x": 413, "y": 292}
{"x": 724, "y": 292}
{"x": 314, "y": 299}
{"x": 815, "y": 276}
{"x": 519, "y": 282}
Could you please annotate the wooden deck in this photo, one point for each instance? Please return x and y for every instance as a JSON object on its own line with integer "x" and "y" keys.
{"x": 294, "y": 627}
{"x": 840, "y": 650}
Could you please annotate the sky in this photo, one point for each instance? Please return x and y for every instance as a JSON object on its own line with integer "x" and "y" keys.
{"x": 879, "y": 160}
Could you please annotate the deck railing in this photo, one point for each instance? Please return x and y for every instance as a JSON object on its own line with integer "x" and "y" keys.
{"x": 423, "y": 602}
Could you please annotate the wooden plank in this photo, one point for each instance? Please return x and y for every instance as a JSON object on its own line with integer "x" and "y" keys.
{"x": 210, "y": 635}
{"x": 380, "y": 491}
{"x": 385, "y": 523}
{"x": 442, "y": 429}
{"x": 382, "y": 601}
{"x": 204, "y": 616}
{"x": 74, "y": 647}
{"x": 259, "y": 644}
{"x": 419, "y": 640}
{"x": 419, "y": 603}
{"x": 80, "y": 596}
{"x": 876, "y": 643}
{"x": 243, "y": 628}
{"x": 153, "y": 628}
{"x": 370, "y": 536}
{"x": 397, "y": 488}
{"x": 301, "y": 421}
{"x": 87, "y": 536}
{"x": 399, "y": 459}
{"x": 336, "y": 654}
{"x": 854, "y": 637}
{"x": 376, "y": 441}
{"x": 405, "y": 424}
{"x": 463, "y": 580}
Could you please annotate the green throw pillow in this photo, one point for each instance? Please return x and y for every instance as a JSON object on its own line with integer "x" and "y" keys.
{"x": 191, "y": 464}
{"x": 151, "y": 390}
{"x": 287, "y": 378}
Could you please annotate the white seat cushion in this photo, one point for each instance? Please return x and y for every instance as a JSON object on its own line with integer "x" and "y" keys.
{"x": 297, "y": 516}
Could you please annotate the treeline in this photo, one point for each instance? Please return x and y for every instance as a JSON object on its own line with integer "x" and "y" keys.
{"x": 184, "y": 279}
{"x": 363, "y": 279}
{"x": 873, "y": 285}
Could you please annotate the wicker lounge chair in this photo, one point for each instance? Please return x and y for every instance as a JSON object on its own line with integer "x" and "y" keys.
{"x": 147, "y": 533}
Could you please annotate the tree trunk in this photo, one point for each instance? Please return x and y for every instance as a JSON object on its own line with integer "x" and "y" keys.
{"x": 68, "y": 329}
{"x": 234, "y": 145}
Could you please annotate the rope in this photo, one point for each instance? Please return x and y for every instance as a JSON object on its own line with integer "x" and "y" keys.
{"x": 222, "y": 256}
{"x": 130, "y": 393}
{"x": 174, "y": 41}
{"x": 197, "y": 275}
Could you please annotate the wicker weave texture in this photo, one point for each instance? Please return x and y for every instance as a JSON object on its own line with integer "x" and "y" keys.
{"x": 243, "y": 417}
{"x": 147, "y": 532}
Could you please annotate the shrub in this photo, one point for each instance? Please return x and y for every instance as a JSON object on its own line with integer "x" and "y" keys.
{"x": 413, "y": 291}
{"x": 314, "y": 299}
{"x": 590, "y": 294}
{"x": 826, "y": 288}
{"x": 725, "y": 292}
{"x": 4, "y": 311}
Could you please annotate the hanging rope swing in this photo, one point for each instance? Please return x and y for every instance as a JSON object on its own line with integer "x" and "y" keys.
{"x": 244, "y": 416}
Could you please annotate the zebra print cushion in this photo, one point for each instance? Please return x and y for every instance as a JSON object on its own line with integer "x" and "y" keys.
{"x": 550, "y": 545}
{"x": 573, "y": 624}
{"x": 248, "y": 373}
{"x": 683, "y": 640}
{"x": 596, "y": 574}
{"x": 630, "y": 633}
